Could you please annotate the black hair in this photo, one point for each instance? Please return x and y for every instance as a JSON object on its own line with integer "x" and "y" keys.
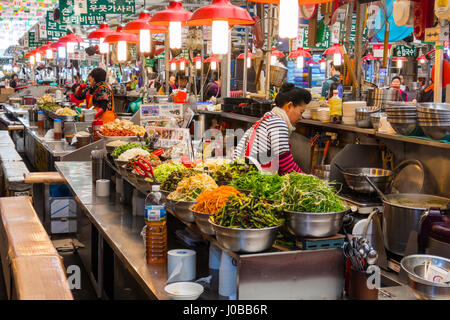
{"x": 339, "y": 68}
{"x": 181, "y": 76}
{"x": 98, "y": 74}
{"x": 396, "y": 77}
{"x": 290, "y": 93}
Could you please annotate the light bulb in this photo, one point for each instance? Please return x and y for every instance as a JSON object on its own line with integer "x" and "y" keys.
{"x": 173, "y": 66}
{"x": 182, "y": 65}
{"x": 122, "y": 51}
{"x": 71, "y": 47}
{"x": 104, "y": 47}
{"x": 38, "y": 57}
{"x": 175, "y": 34}
{"x": 144, "y": 41}
{"x": 61, "y": 52}
{"x": 337, "y": 59}
{"x": 323, "y": 65}
{"x": 288, "y": 19}
{"x": 32, "y": 60}
{"x": 220, "y": 37}
{"x": 249, "y": 63}
{"x": 273, "y": 60}
{"x": 300, "y": 62}
{"x": 198, "y": 65}
{"x": 399, "y": 64}
{"x": 49, "y": 54}
{"x": 213, "y": 65}
{"x": 422, "y": 60}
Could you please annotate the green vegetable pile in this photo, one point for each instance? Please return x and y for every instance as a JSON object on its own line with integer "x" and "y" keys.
{"x": 247, "y": 213}
{"x": 226, "y": 173}
{"x": 175, "y": 177}
{"x": 306, "y": 193}
{"x": 264, "y": 186}
{"x": 163, "y": 171}
{"x": 121, "y": 149}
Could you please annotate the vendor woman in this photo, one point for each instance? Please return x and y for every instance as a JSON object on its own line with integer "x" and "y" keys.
{"x": 98, "y": 95}
{"x": 268, "y": 140}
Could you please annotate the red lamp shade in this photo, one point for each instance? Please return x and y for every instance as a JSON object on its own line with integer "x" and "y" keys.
{"x": 399, "y": 59}
{"x": 173, "y": 60}
{"x": 220, "y": 10}
{"x": 198, "y": 58}
{"x": 101, "y": 32}
{"x": 369, "y": 57}
{"x": 212, "y": 59}
{"x": 335, "y": 49}
{"x": 70, "y": 38}
{"x": 242, "y": 55}
{"x": 182, "y": 59}
{"x": 300, "y": 53}
{"x": 173, "y": 13}
{"x": 117, "y": 36}
{"x": 322, "y": 60}
{"x": 56, "y": 45}
{"x": 422, "y": 57}
{"x": 142, "y": 24}
{"x": 31, "y": 53}
{"x": 276, "y": 53}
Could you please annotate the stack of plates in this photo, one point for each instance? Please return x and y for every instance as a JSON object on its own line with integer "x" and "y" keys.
{"x": 434, "y": 119}
{"x": 403, "y": 118}
{"x": 348, "y": 111}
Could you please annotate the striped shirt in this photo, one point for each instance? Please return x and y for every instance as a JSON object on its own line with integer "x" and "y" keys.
{"x": 271, "y": 144}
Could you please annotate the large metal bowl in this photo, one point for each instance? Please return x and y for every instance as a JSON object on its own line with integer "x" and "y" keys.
{"x": 362, "y": 116}
{"x": 315, "y": 225}
{"x": 202, "y": 221}
{"x": 356, "y": 181}
{"x": 436, "y": 133}
{"x": 414, "y": 266}
{"x": 245, "y": 240}
{"x": 169, "y": 203}
{"x": 434, "y": 107}
{"x": 405, "y": 129}
{"x": 182, "y": 210}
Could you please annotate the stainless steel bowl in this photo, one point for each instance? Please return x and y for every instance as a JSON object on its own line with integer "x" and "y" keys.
{"x": 362, "y": 116}
{"x": 402, "y": 115}
{"x": 436, "y": 133}
{"x": 436, "y": 123}
{"x": 182, "y": 211}
{"x": 202, "y": 221}
{"x": 414, "y": 266}
{"x": 315, "y": 225}
{"x": 434, "y": 107}
{"x": 245, "y": 240}
{"x": 405, "y": 129}
{"x": 401, "y": 120}
{"x": 433, "y": 116}
{"x": 169, "y": 203}
{"x": 375, "y": 119}
{"x": 356, "y": 181}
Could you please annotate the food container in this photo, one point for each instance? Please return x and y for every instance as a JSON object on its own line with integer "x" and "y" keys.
{"x": 245, "y": 240}
{"x": 202, "y": 221}
{"x": 83, "y": 141}
{"x": 184, "y": 290}
{"x": 362, "y": 116}
{"x": 314, "y": 113}
{"x": 182, "y": 210}
{"x": 315, "y": 225}
{"x": 29, "y": 100}
{"x": 422, "y": 288}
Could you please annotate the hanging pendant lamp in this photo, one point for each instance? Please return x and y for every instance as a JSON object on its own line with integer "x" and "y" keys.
{"x": 100, "y": 34}
{"x": 61, "y": 48}
{"x": 173, "y": 64}
{"x": 145, "y": 30}
{"x": 221, "y": 15}
{"x": 182, "y": 62}
{"x": 399, "y": 61}
{"x": 249, "y": 58}
{"x": 174, "y": 17}
{"x": 323, "y": 63}
{"x": 71, "y": 41}
{"x": 213, "y": 61}
{"x": 336, "y": 51}
{"x": 198, "y": 62}
{"x": 300, "y": 54}
{"x": 275, "y": 55}
{"x": 121, "y": 39}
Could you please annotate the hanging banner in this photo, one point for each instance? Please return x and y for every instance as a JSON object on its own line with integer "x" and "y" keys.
{"x": 54, "y": 29}
{"x": 111, "y": 6}
{"x": 378, "y": 50}
{"x": 405, "y": 51}
{"x": 75, "y": 12}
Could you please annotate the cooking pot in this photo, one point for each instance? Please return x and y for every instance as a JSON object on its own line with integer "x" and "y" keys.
{"x": 402, "y": 213}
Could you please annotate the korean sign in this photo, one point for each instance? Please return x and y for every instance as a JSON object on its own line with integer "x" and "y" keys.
{"x": 54, "y": 29}
{"x": 111, "y": 6}
{"x": 405, "y": 51}
{"x": 32, "y": 42}
{"x": 76, "y": 12}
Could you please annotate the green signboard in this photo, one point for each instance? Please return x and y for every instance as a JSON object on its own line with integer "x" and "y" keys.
{"x": 54, "y": 29}
{"x": 32, "y": 43}
{"x": 111, "y": 6}
{"x": 405, "y": 51}
{"x": 75, "y": 12}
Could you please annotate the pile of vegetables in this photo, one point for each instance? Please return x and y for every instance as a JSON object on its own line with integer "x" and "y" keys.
{"x": 121, "y": 149}
{"x": 264, "y": 186}
{"x": 306, "y": 193}
{"x": 121, "y": 128}
{"x": 175, "y": 178}
{"x": 163, "y": 171}
{"x": 117, "y": 133}
{"x": 66, "y": 112}
{"x": 153, "y": 160}
{"x": 226, "y": 173}
{"x": 247, "y": 213}
{"x": 190, "y": 188}
{"x": 211, "y": 202}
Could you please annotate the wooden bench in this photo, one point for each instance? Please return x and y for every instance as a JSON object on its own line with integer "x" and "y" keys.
{"x": 32, "y": 268}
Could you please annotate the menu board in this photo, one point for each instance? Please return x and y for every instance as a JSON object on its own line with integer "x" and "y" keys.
{"x": 54, "y": 29}
{"x": 75, "y": 12}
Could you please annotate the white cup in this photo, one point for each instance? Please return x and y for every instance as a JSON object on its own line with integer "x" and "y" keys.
{"x": 102, "y": 188}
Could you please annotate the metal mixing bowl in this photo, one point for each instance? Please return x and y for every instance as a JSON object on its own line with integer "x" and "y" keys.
{"x": 435, "y": 132}
{"x": 432, "y": 107}
{"x": 375, "y": 119}
{"x": 315, "y": 225}
{"x": 356, "y": 181}
{"x": 406, "y": 128}
{"x": 414, "y": 266}
{"x": 245, "y": 240}
{"x": 182, "y": 211}
{"x": 202, "y": 221}
{"x": 362, "y": 116}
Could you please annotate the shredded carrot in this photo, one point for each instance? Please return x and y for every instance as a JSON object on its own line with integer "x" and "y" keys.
{"x": 117, "y": 132}
{"x": 211, "y": 202}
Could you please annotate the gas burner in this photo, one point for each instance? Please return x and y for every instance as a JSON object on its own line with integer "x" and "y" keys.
{"x": 365, "y": 203}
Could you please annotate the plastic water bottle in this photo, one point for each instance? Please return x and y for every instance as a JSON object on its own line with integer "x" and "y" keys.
{"x": 156, "y": 230}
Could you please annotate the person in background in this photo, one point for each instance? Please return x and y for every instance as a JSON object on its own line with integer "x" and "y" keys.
{"x": 172, "y": 83}
{"x": 213, "y": 89}
{"x": 14, "y": 81}
{"x": 269, "y": 137}
{"x": 427, "y": 94}
{"x": 181, "y": 81}
{"x": 403, "y": 86}
{"x": 98, "y": 95}
{"x": 395, "y": 84}
{"x": 333, "y": 83}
